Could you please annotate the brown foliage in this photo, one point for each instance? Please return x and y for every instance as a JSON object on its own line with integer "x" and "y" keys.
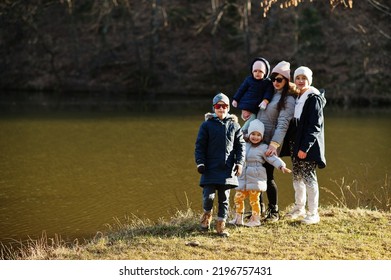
{"x": 192, "y": 47}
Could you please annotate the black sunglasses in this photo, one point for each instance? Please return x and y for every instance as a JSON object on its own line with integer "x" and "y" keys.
{"x": 278, "y": 80}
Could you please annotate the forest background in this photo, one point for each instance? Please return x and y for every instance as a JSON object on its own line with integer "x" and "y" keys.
{"x": 157, "y": 49}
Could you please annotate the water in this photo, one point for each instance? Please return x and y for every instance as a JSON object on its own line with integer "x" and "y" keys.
{"x": 72, "y": 174}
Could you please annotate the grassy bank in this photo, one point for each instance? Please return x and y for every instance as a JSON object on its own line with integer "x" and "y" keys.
{"x": 342, "y": 234}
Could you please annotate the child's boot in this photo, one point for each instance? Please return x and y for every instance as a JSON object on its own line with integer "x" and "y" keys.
{"x": 220, "y": 228}
{"x": 206, "y": 219}
{"x": 237, "y": 220}
{"x": 255, "y": 221}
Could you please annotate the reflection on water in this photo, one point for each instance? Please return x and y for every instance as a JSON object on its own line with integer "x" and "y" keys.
{"x": 72, "y": 175}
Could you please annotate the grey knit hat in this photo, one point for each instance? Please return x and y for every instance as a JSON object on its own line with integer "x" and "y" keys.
{"x": 220, "y": 97}
{"x": 256, "y": 125}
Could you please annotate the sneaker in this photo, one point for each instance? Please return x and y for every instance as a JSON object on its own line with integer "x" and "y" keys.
{"x": 311, "y": 219}
{"x": 247, "y": 215}
{"x": 295, "y": 214}
{"x": 237, "y": 220}
{"x": 255, "y": 221}
{"x": 272, "y": 214}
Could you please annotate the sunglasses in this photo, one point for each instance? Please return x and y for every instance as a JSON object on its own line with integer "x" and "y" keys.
{"x": 218, "y": 106}
{"x": 278, "y": 80}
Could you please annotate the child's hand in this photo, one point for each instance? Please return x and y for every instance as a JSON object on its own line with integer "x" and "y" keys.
{"x": 201, "y": 169}
{"x": 285, "y": 170}
{"x": 238, "y": 170}
{"x": 263, "y": 104}
{"x": 235, "y": 103}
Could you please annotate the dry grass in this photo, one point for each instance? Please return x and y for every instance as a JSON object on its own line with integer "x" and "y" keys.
{"x": 353, "y": 195}
{"x": 358, "y": 228}
{"x": 351, "y": 234}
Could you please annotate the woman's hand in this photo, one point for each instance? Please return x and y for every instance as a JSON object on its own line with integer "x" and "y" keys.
{"x": 271, "y": 150}
{"x": 301, "y": 154}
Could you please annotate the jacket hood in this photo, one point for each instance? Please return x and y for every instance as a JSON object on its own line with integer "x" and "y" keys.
{"x": 209, "y": 116}
{"x": 264, "y": 61}
{"x": 320, "y": 94}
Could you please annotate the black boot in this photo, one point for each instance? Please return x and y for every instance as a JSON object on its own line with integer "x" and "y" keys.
{"x": 272, "y": 214}
{"x": 262, "y": 206}
{"x": 263, "y": 210}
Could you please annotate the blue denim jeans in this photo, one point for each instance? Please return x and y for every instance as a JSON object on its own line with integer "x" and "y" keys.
{"x": 208, "y": 196}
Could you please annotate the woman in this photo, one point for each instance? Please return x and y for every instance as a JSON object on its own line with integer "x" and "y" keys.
{"x": 276, "y": 119}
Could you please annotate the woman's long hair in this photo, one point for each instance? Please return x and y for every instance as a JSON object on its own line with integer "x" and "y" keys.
{"x": 288, "y": 89}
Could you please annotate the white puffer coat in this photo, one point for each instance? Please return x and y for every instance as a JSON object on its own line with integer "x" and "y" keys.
{"x": 254, "y": 174}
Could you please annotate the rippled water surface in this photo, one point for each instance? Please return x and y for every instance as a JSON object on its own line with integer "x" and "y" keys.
{"x": 73, "y": 174}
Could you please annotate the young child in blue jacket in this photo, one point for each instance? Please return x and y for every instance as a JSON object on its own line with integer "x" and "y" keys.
{"x": 219, "y": 155}
{"x": 255, "y": 92}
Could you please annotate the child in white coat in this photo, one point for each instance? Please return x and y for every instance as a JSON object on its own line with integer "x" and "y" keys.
{"x": 253, "y": 179}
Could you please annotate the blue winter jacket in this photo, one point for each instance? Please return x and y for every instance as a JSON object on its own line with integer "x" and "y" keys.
{"x": 251, "y": 93}
{"x": 219, "y": 146}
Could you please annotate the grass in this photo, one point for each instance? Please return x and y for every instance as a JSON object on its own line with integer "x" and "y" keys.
{"x": 342, "y": 234}
{"x": 354, "y": 195}
{"x": 358, "y": 227}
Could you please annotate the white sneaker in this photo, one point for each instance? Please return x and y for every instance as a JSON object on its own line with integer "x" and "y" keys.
{"x": 255, "y": 221}
{"x": 295, "y": 214}
{"x": 237, "y": 220}
{"x": 311, "y": 219}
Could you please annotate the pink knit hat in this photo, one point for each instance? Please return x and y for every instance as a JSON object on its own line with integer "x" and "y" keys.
{"x": 259, "y": 65}
{"x": 283, "y": 68}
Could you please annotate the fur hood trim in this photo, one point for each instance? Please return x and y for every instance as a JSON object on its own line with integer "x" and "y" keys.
{"x": 209, "y": 116}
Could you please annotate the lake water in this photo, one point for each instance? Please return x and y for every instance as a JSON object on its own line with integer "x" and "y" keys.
{"x": 73, "y": 173}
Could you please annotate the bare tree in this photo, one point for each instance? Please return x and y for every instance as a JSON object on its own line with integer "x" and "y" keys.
{"x": 267, "y": 4}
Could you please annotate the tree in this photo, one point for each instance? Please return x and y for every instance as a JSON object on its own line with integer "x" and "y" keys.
{"x": 267, "y": 4}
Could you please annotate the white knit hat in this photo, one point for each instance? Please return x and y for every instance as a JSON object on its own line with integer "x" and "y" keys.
{"x": 284, "y": 69}
{"x": 258, "y": 64}
{"x": 256, "y": 125}
{"x": 303, "y": 70}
